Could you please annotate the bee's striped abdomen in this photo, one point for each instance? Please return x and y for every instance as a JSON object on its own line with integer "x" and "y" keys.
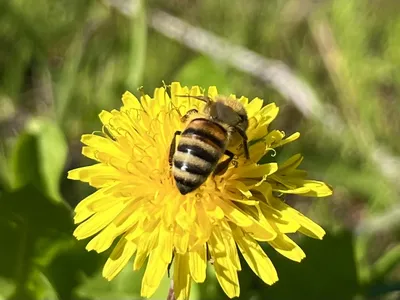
{"x": 201, "y": 146}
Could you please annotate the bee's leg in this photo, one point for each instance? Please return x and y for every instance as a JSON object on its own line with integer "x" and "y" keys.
{"x": 172, "y": 147}
{"x": 170, "y": 265}
{"x": 188, "y": 113}
{"x": 245, "y": 145}
{"x": 223, "y": 166}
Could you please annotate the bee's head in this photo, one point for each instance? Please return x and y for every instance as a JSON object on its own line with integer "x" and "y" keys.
{"x": 227, "y": 111}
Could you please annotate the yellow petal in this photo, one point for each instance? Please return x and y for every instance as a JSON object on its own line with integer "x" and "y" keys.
{"x": 99, "y": 142}
{"x": 309, "y": 188}
{"x": 198, "y": 263}
{"x": 82, "y": 212}
{"x": 130, "y": 215}
{"x": 225, "y": 270}
{"x": 91, "y": 153}
{"x": 266, "y": 191}
{"x": 182, "y": 281}
{"x": 176, "y": 90}
{"x": 145, "y": 101}
{"x": 242, "y": 188}
{"x": 289, "y": 139}
{"x": 317, "y": 188}
{"x": 203, "y": 221}
{"x": 130, "y": 101}
{"x": 260, "y": 229}
{"x": 85, "y": 174}
{"x": 281, "y": 219}
{"x": 236, "y": 196}
{"x": 146, "y": 243}
{"x": 195, "y": 91}
{"x": 290, "y": 189}
{"x": 285, "y": 246}
{"x": 261, "y": 232}
{"x": 162, "y": 96}
{"x": 140, "y": 258}
{"x": 254, "y": 171}
{"x": 254, "y": 106}
{"x": 269, "y": 113}
{"x": 106, "y": 203}
{"x": 97, "y": 222}
{"x": 257, "y": 151}
{"x": 255, "y": 257}
{"x": 273, "y": 138}
{"x": 135, "y": 232}
{"x": 166, "y": 241}
{"x": 105, "y": 118}
{"x": 308, "y": 227}
{"x": 291, "y": 164}
{"x": 186, "y": 215}
{"x": 230, "y": 244}
{"x": 244, "y": 100}
{"x": 216, "y": 212}
{"x": 170, "y": 211}
{"x": 120, "y": 256}
{"x": 181, "y": 241}
{"x": 212, "y": 92}
{"x": 155, "y": 271}
{"x": 103, "y": 240}
{"x": 234, "y": 214}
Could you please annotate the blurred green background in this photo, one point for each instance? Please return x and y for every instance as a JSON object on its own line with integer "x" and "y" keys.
{"x": 333, "y": 66}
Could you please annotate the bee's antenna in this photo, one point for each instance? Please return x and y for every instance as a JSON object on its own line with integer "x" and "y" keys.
{"x": 205, "y": 99}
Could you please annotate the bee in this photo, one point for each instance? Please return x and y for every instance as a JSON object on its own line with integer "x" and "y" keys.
{"x": 204, "y": 141}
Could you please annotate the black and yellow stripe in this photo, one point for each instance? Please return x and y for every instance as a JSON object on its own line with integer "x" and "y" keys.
{"x": 201, "y": 146}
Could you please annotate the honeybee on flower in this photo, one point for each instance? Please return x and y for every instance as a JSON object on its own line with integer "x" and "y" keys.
{"x": 139, "y": 202}
{"x": 205, "y": 140}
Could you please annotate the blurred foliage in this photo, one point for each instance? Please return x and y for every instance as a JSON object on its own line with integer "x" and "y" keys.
{"x": 63, "y": 61}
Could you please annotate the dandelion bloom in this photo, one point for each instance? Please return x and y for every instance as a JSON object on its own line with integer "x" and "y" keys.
{"x": 138, "y": 202}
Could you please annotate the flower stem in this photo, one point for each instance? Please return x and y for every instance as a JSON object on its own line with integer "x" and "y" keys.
{"x": 171, "y": 294}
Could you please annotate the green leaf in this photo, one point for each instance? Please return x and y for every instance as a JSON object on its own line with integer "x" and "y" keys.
{"x": 328, "y": 272}
{"x": 28, "y": 206}
{"x": 43, "y": 287}
{"x": 39, "y": 157}
{"x": 125, "y": 286}
{"x": 24, "y": 161}
{"x": 70, "y": 268}
{"x": 328, "y": 261}
{"x": 27, "y": 218}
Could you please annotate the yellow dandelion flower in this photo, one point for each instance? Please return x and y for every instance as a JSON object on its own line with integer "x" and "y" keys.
{"x": 137, "y": 199}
